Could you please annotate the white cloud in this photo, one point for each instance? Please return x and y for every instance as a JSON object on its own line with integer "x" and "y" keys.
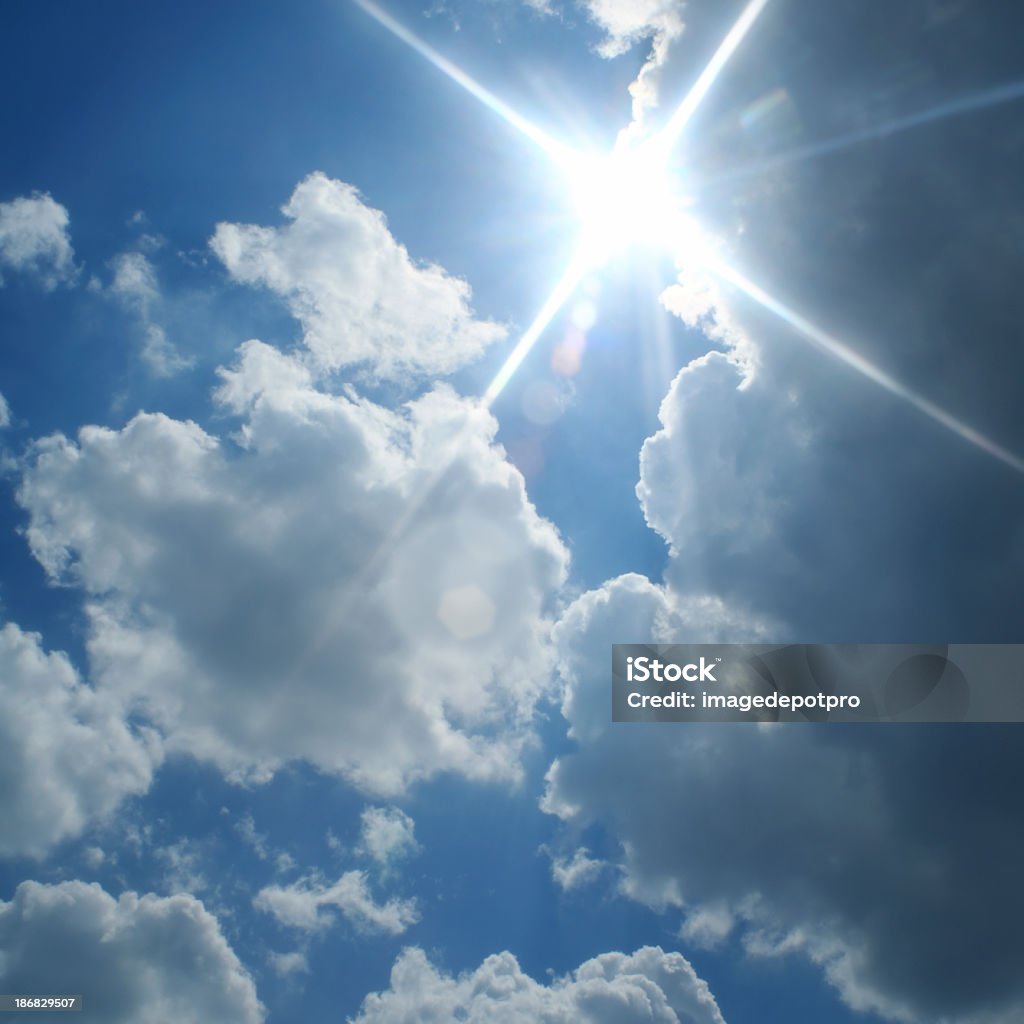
{"x": 696, "y": 298}
{"x": 705, "y": 477}
{"x": 68, "y": 756}
{"x": 648, "y": 985}
{"x": 94, "y": 856}
{"x": 135, "y": 286}
{"x": 628, "y": 22}
{"x": 5, "y": 413}
{"x": 309, "y": 905}
{"x": 34, "y": 239}
{"x": 360, "y": 299}
{"x": 246, "y": 828}
{"x": 135, "y": 960}
{"x": 387, "y": 835}
{"x": 576, "y": 871}
{"x": 286, "y": 964}
{"x": 266, "y": 604}
{"x": 135, "y": 280}
{"x": 625, "y": 24}
{"x": 182, "y": 863}
{"x": 873, "y": 858}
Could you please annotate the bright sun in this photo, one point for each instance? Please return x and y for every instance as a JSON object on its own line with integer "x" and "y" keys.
{"x": 624, "y": 198}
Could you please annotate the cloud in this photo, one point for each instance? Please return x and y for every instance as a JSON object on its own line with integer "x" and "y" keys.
{"x": 881, "y": 856}
{"x": 265, "y": 603}
{"x": 361, "y": 300}
{"x": 286, "y": 964}
{"x": 5, "y": 413}
{"x": 788, "y": 486}
{"x": 706, "y": 479}
{"x": 69, "y": 757}
{"x": 182, "y": 865}
{"x": 135, "y": 286}
{"x": 576, "y": 871}
{"x": 34, "y": 239}
{"x": 134, "y": 960}
{"x": 308, "y": 905}
{"x": 648, "y": 985}
{"x": 386, "y": 835}
{"x": 628, "y": 22}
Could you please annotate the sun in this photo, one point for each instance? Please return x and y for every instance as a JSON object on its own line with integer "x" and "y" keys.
{"x": 624, "y": 199}
{"x": 628, "y": 199}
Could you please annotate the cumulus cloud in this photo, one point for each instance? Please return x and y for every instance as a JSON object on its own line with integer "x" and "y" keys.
{"x": 576, "y": 871}
{"x": 648, "y": 985}
{"x": 134, "y": 960}
{"x": 879, "y": 857}
{"x": 69, "y": 757}
{"x": 34, "y": 239}
{"x": 361, "y": 300}
{"x": 135, "y": 286}
{"x": 701, "y": 488}
{"x": 309, "y": 905}
{"x": 266, "y": 603}
{"x": 386, "y": 835}
{"x": 628, "y": 22}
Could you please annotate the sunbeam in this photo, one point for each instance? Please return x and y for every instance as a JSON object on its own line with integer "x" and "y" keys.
{"x": 578, "y": 267}
{"x": 555, "y": 149}
{"x": 669, "y": 135}
{"x": 1007, "y": 93}
{"x": 829, "y": 343}
{"x": 616, "y": 195}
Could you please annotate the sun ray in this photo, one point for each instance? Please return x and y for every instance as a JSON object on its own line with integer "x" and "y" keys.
{"x": 560, "y": 294}
{"x": 669, "y": 135}
{"x": 832, "y": 345}
{"x": 555, "y": 149}
{"x": 1006, "y": 93}
{"x": 655, "y": 152}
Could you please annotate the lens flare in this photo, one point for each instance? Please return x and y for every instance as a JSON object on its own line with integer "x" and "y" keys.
{"x": 628, "y": 197}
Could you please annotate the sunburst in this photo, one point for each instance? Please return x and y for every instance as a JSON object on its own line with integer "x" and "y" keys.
{"x": 629, "y": 196}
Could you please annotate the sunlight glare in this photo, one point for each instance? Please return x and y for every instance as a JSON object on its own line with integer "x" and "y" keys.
{"x": 622, "y": 198}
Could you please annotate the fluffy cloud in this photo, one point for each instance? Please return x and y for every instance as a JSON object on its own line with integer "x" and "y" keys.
{"x": 649, "y": 985}
{"x": 386, "y": 835}
{"x": 144, "y": 960}
{"x": 5, "y": 413}
{"x": 135, "y": 286}
{"x": 628, "y": 22}
{"x": 883, "y": 858}
{"x": 308, "y": 905}
{"x": 286, "y": 599}
{"x": 34, "y": 239}
{"x": 712, "y": 488}
{"x": 360, "y": 299}
{"x": 69, "y": 758}
{"x": 576, "y": 871}
{"x": 784, "y": 482}
{"x": 287, "y": 964}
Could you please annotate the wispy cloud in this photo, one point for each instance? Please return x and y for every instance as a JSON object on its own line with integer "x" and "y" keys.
{"x": 135, "y": 286}
{"x": 311, "y": 905}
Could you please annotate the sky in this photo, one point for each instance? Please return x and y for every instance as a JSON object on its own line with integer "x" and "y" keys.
{"x": 367, "y": 371}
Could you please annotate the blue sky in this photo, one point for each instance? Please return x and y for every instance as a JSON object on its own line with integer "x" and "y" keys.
{"x": 303, "y": 661}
